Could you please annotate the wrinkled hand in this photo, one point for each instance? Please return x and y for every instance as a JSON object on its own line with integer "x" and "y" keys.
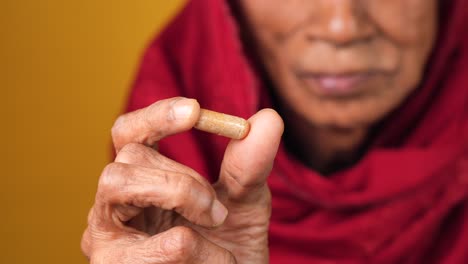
{"x": 150, "y": 209}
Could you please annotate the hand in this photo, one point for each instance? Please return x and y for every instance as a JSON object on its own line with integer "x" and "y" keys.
{"x": 150, "y": 209}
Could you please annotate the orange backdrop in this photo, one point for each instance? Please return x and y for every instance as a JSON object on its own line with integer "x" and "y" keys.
{"x": 65, "y": 70}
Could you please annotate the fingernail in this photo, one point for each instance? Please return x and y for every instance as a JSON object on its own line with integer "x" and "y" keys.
{"x": 182, "y": 108}
{"x": 218, "y": 213}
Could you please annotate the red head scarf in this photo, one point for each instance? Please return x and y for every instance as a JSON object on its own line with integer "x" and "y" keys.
{"x": 406, "y": 201}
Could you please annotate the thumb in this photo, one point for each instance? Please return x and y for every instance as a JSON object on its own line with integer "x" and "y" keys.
{"x": 248, "y": 162}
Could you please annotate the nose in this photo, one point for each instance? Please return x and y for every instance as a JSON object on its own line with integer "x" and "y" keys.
{"x": 342, "y": 22}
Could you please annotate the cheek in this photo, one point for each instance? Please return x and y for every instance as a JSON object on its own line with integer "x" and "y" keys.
{"x": 411, "y": 26}
{"x": 405, "y": 22}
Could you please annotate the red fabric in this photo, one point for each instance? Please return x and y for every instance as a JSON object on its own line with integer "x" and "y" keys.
{"x": 406, "y": 201}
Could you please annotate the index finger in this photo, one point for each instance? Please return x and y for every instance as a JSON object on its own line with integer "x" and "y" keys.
{"x": 151, "y": 124}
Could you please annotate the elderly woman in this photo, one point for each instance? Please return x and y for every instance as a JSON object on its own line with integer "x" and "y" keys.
{"x": 373, "y": 163}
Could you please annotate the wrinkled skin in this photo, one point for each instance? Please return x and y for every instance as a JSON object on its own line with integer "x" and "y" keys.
{"x": 150, "y": 209}
{"x": 338, "y": 67}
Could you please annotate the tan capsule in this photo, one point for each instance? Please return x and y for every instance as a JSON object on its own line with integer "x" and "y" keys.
{"x": 222, "y": 124}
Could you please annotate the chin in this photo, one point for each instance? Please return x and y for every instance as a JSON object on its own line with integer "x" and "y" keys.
{"x": 343, "y": 114}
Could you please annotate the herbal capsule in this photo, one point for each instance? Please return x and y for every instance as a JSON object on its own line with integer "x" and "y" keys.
{"x": 222, "y": 124}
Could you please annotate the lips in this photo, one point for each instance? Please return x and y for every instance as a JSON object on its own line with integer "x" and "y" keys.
{"x": 337, "y": 84}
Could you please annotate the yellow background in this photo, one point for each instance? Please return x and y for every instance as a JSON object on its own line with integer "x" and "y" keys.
{"x": 65, "y": 70}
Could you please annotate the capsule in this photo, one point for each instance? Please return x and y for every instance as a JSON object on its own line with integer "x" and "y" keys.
{"x": 222, "y": 124}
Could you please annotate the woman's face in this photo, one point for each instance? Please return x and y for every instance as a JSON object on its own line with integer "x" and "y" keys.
{"x": 343, "y": 63}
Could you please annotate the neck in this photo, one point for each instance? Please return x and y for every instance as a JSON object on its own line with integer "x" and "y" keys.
{"x": 325, "y": 149}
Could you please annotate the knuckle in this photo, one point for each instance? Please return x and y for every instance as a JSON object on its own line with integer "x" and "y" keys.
{"x": 180, "y": 242}
{"x": 86, "y": 244}
{"x": 131, "y": 153}
{"x": 116, "y": 129}
{"x": 154, "y": 109}
{"x": 133, "y": 148}
{"x": 184, "y": 186}
{"x": 110, "y": 178}
{"x": 151, "y": 119}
